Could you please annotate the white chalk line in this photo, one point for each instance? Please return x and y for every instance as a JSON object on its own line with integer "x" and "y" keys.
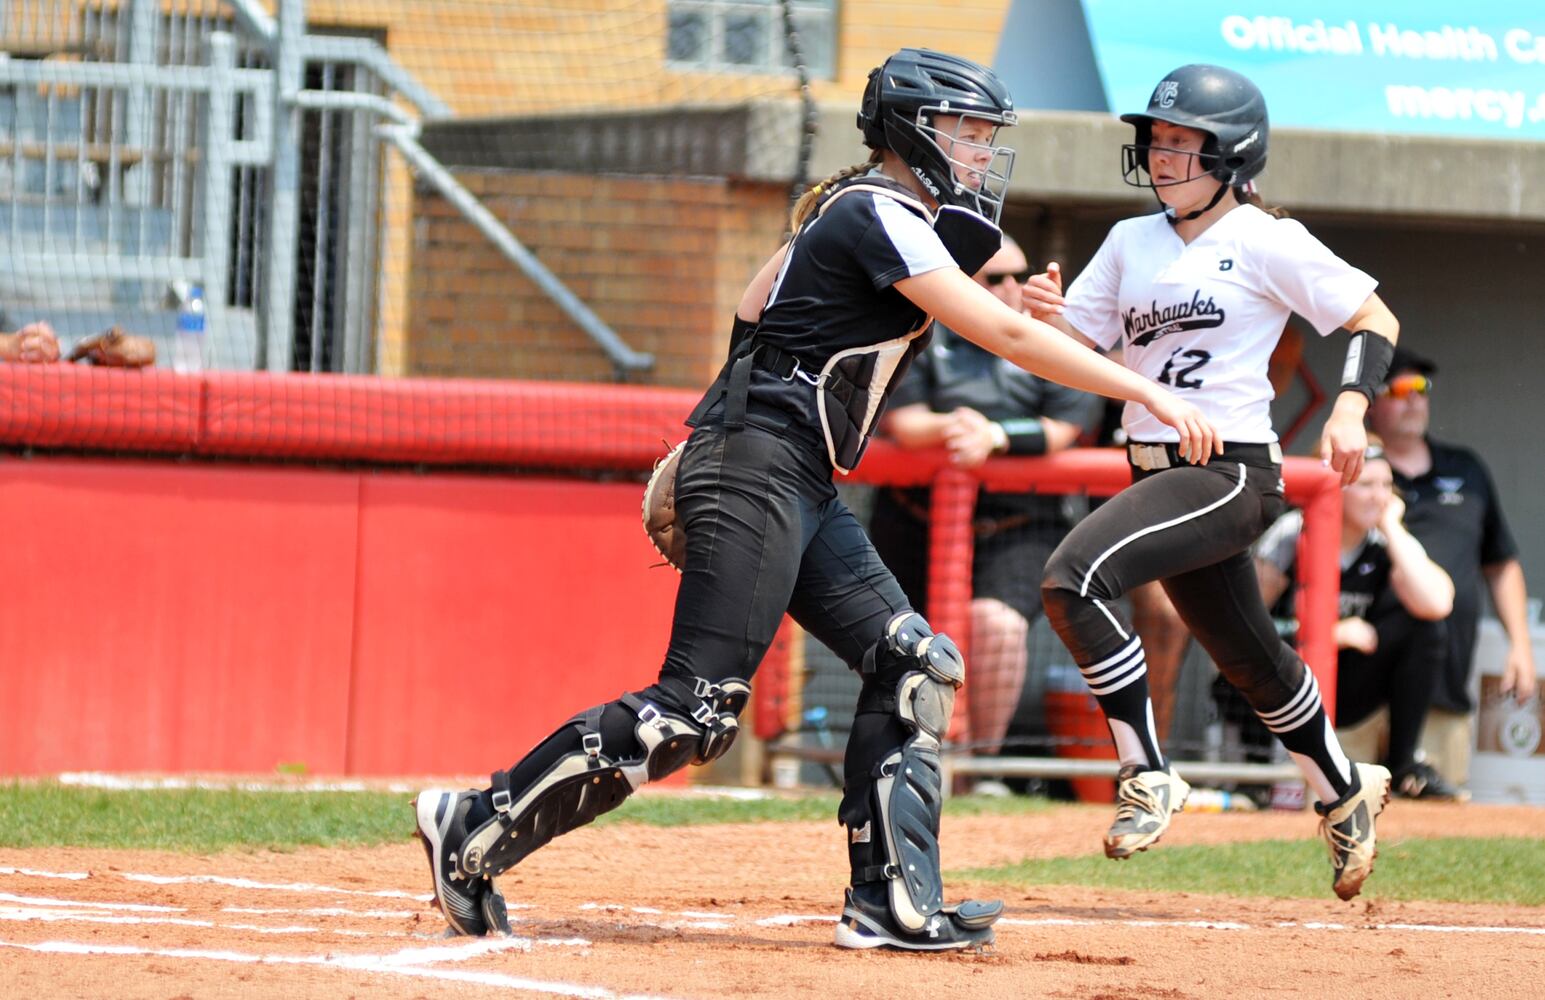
{"x": 320, "y": 911}
{"x": 695, "y": 919}
{"x": 246, "y": 883}
{"x": 34, "y": 873}
{"x": 399, "y": 963}
{"x": 119, "y": 783}
{"x": 6, "y": 897}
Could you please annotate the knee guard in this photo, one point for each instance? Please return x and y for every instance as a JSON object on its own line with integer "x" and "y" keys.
{"x": 906, "y": 790}
{"x": 678, "y": 722}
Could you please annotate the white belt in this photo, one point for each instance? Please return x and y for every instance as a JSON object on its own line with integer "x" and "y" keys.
{"x": 1149, "y": 457}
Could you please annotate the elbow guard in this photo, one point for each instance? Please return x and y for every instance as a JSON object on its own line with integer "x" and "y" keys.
{"x": 1368, "y": 359}
{"x": 739, "y": 331}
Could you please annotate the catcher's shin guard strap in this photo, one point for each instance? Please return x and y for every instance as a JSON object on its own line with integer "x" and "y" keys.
{"x": 678, "y": 723}
{"x": 910, "y": 643}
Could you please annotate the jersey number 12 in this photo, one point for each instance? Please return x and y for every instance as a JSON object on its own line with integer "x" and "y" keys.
{"x": 1180, "y": 377}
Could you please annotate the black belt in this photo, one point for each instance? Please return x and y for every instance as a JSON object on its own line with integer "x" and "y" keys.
{"x": 784, "y": 365}
{"x": 768, "y": 358}
{"x": 1166, "y": 455}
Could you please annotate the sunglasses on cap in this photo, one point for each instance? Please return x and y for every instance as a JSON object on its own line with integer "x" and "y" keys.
{"x": 994, "y": 280}
{"x": 1402, "y": 386}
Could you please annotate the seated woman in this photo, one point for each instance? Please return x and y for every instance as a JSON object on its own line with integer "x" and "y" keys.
{"x": 1390, "y": 631}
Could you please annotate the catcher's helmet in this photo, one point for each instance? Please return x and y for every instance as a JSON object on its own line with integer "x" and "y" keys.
{"x": 906, "y": 95}
{"x": 1211, "y": 99}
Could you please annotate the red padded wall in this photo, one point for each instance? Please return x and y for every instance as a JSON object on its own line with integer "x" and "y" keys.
{"x": 492, "y": 609}
{"x": 196, "y": 617}
{"x": 171, "y": 617}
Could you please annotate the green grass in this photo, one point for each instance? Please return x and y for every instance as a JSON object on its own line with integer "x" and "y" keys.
{"x": 50, "y": 814}
{"x": 1490, "y": 870}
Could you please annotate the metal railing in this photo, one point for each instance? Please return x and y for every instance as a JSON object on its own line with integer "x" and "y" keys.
{"x": 167, "y": 151}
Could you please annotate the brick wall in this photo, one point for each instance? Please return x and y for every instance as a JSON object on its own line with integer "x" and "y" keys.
{"x": 662, "y": 261}
{"x": 486, "y": 57}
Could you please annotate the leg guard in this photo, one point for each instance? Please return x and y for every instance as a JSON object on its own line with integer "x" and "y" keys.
{"x": 678, "y": 722}
{"x": 914, "y": 673}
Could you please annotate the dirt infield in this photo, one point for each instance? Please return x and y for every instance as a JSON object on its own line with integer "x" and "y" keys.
{"x": 743, "y": 910}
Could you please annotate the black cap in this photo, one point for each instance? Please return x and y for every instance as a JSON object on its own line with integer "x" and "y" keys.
{"x": 1407, "y": 360}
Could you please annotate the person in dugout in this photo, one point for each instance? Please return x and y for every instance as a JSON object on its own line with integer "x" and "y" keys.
{"x": 975, "y": 405}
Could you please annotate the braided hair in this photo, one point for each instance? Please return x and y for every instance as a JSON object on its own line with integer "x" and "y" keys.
{"x": 807, "y": 201}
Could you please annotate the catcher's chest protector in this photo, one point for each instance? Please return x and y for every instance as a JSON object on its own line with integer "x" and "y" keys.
{"x": 853, "y": 386}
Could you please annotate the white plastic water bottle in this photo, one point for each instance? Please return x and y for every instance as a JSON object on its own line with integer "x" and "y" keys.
{"x": 189, "y": 356}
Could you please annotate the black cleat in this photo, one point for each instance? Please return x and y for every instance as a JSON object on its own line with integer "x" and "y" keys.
{"x": 867, "y": 922}
{"x": 1347, "y": 826}
{"x": 1422, "y": 781}
{"x": 473, "y": 907}
{"x": 1145, "y": 801}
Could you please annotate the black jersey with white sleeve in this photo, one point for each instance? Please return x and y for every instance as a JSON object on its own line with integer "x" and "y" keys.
{"x": 836, "y": 292}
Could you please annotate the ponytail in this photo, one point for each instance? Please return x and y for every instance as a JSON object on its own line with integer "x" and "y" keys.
{"x": 1246, "y": 194}
{"x": 806, "y": 203}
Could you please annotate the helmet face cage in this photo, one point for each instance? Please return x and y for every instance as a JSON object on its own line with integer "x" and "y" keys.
{"x": 904, "y": 99}
{"x": 942, "y": 166}
{"x": 1134, "y": 161}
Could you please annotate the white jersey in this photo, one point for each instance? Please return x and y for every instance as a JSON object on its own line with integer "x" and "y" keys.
{"x": 1203, "y": 318}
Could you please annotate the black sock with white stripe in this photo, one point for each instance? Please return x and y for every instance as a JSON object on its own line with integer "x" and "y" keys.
{"x": 1305, "y": 731}
{"x": 1119, "y": 682}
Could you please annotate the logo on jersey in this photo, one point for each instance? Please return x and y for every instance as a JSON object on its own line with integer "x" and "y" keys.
{"x": 1226, "y": 264}
{"x": 1353, "y": 605}
{"x": 1448, "y": 490}
{"x": 1165, "y": 93}
{"x": 1196, "y": 313}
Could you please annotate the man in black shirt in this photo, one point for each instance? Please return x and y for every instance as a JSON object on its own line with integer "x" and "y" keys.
{"x": 972, "y": 403}
{"x": 1453, "y": 509}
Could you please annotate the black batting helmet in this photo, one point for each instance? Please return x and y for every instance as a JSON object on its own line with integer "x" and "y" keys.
{"x": 906, "y": 95}
{"x": 1220, "y": 102}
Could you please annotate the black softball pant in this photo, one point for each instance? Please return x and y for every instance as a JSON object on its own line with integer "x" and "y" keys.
{"x": 766, "y": 533}
{"x": 1190, "y": 527}
{"x": 1400, "y": 673}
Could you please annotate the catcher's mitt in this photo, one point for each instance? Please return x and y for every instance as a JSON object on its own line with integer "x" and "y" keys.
{"x": 113, "y": 348}
{"x": 660, "y": 510}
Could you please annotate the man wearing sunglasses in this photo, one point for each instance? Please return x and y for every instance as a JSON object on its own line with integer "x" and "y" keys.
{"x": 963, "y": 398}
{"x": 1453, "y": 509}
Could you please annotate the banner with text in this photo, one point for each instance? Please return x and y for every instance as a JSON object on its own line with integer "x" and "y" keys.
{"x": 1474, "y": 70}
